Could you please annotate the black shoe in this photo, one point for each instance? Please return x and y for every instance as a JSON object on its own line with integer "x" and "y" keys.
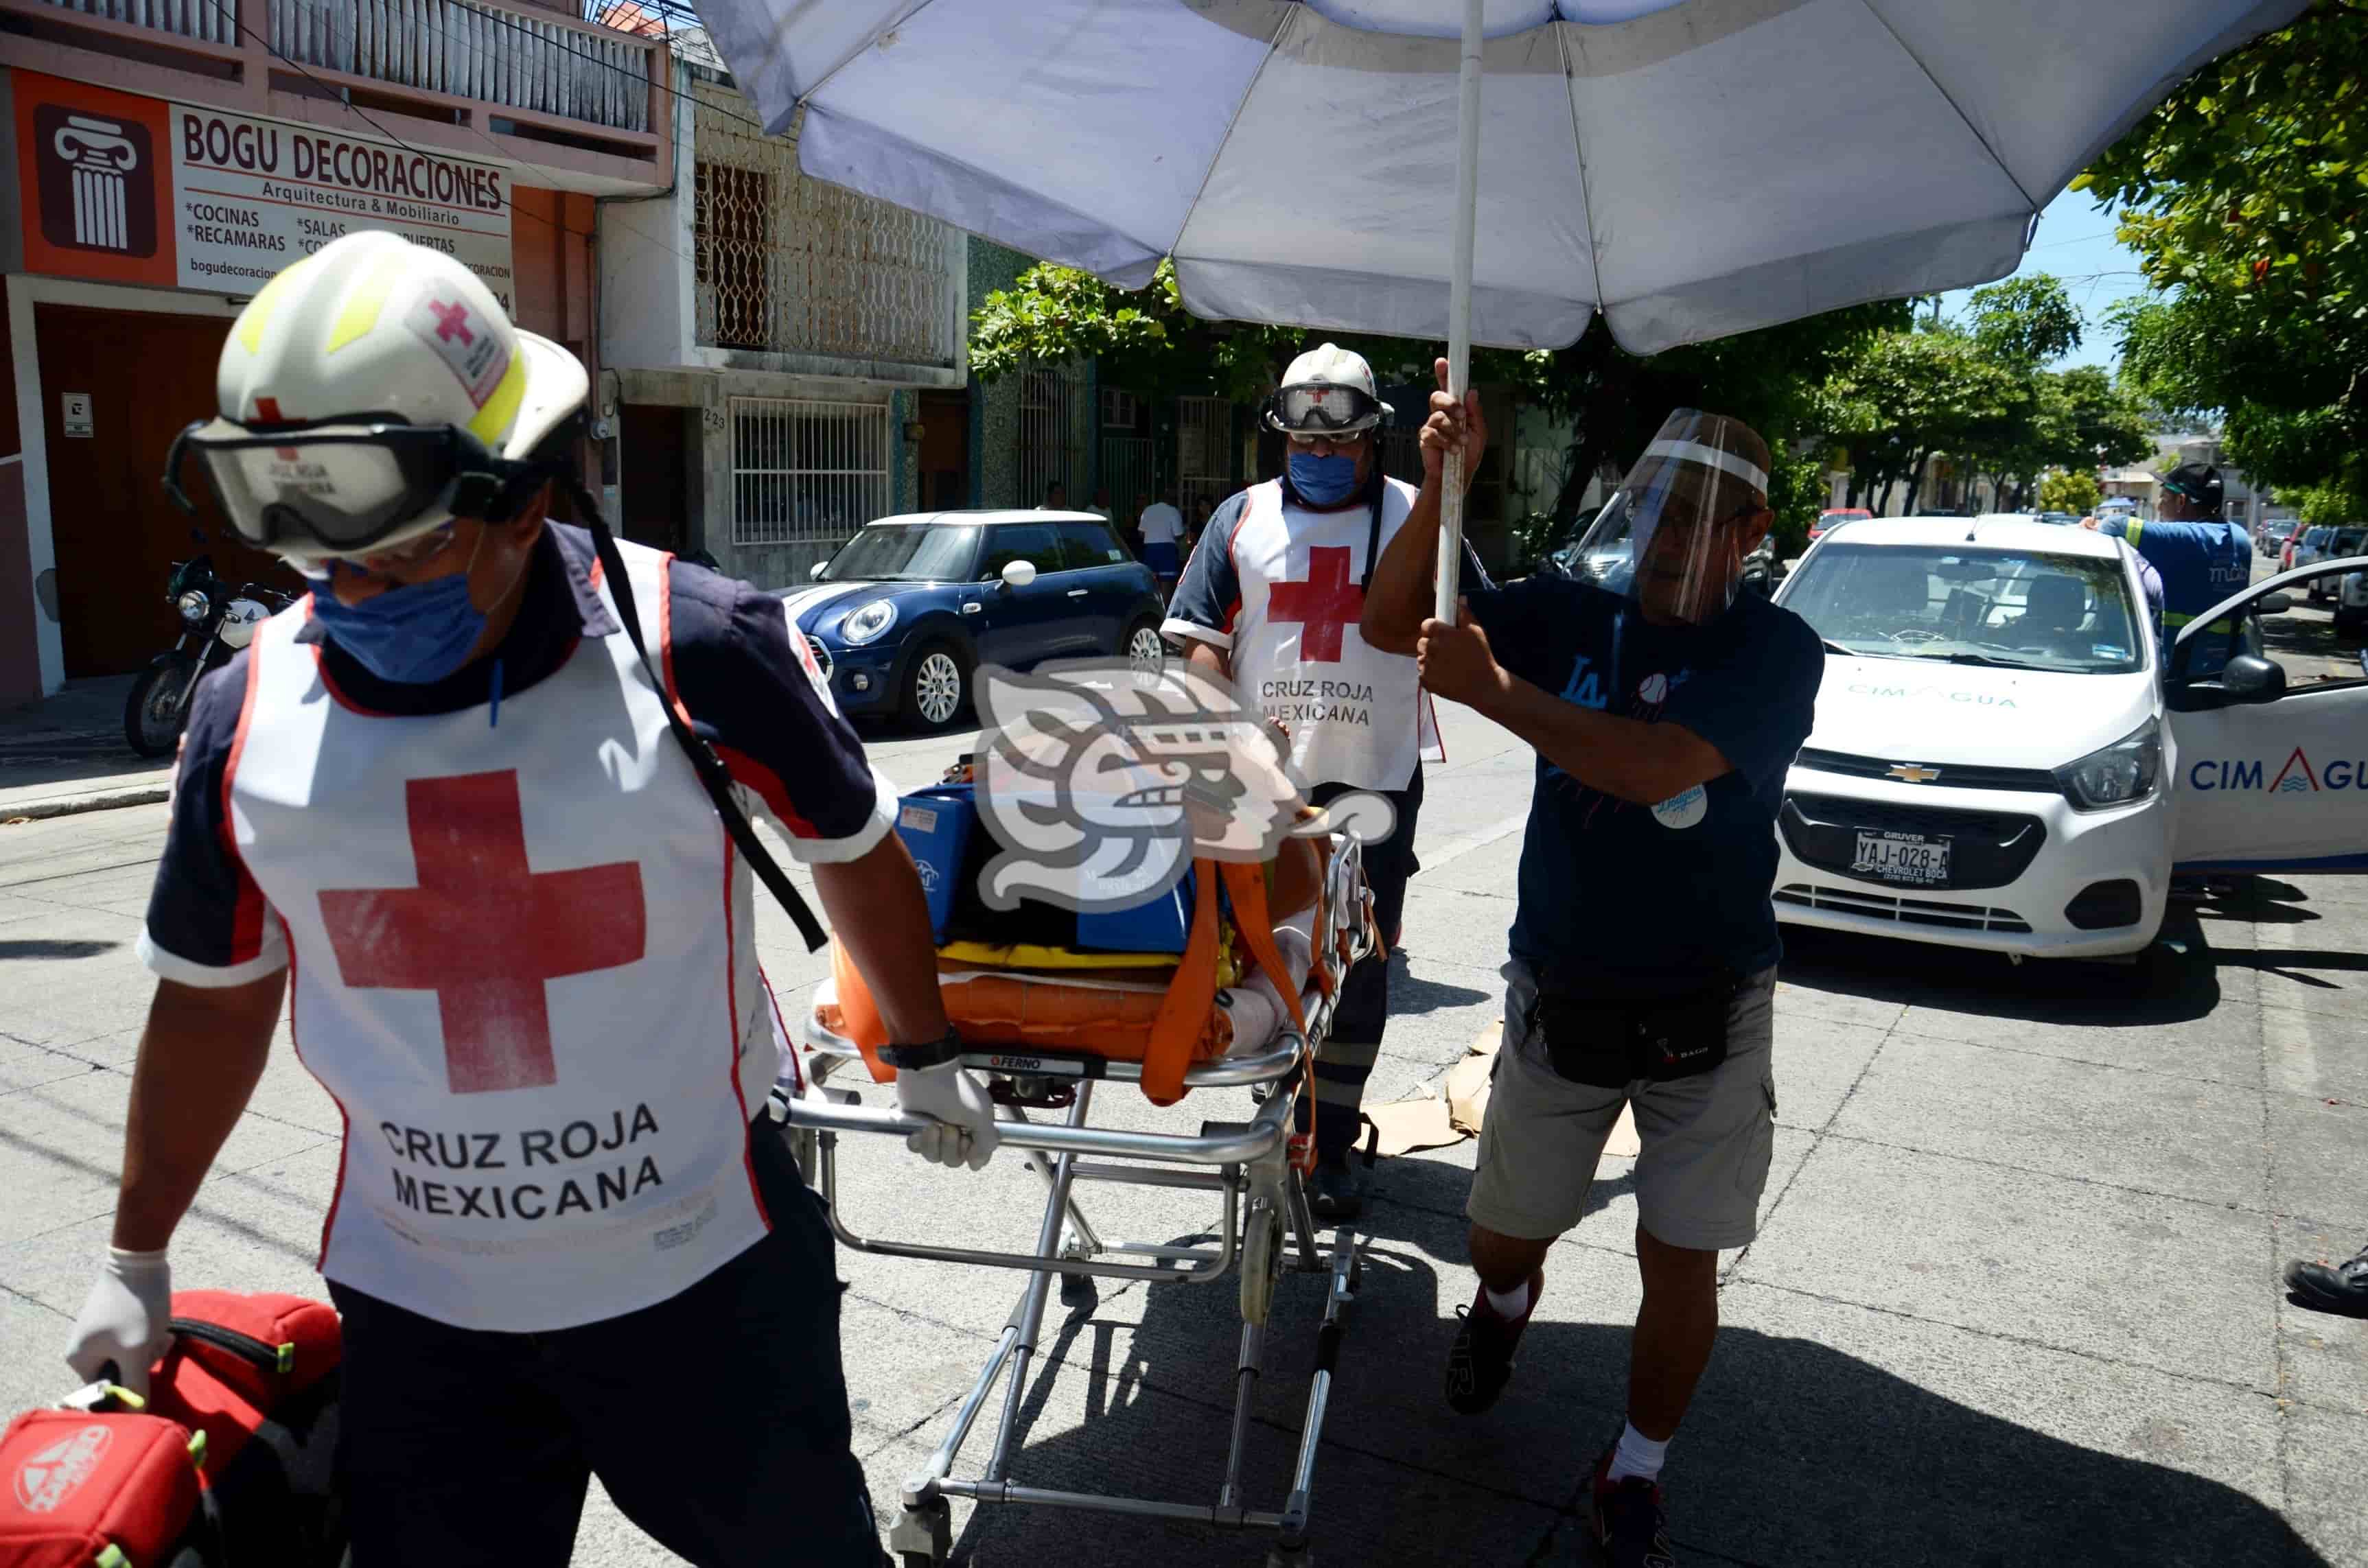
{"x": 1630, "y": 1528}
{"x": 1480, "y": 1363}
{"x": 1336, "y": 1189}
{"x": 2342, "y": 1287}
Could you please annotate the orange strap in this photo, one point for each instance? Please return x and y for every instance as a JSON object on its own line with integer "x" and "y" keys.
{"x": 1246, "y": 885}
{"x": 1175, "y": 1032}
{"x": 860, "y": 1014}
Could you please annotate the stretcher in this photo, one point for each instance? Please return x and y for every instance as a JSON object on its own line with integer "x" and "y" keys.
{"x": 1263, "y": 1226}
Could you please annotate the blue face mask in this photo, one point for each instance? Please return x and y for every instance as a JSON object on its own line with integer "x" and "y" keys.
{"x": 415, "y": 635}
{"x": 1323, "y": 482}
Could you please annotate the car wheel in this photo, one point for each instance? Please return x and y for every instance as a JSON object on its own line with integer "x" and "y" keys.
{"x": 937, "y": 687}
{"x": 1145, "y": 650}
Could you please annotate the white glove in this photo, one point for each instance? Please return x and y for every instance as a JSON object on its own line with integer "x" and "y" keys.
{"x": 125, "y": 1319}
{"x": 950, "y": 1097}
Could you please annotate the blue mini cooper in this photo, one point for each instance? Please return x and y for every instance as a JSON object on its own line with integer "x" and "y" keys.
{"x": 911, "y": 605}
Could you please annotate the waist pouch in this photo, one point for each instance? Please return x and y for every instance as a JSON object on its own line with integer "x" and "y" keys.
{"x": 1608, "y": 1044}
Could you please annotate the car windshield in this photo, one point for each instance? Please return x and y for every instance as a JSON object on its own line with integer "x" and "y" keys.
{"x": 2018, "y": 608}
{"x": 906, "y": 553}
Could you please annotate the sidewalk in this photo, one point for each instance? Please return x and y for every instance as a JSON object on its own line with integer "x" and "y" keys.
{"x": 66, "y": 754}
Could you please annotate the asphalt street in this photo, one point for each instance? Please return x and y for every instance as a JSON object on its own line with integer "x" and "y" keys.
{"x": 2015, "y": 1299}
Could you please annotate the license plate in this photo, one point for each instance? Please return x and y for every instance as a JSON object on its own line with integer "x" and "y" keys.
{"x": 1902, "y": 857}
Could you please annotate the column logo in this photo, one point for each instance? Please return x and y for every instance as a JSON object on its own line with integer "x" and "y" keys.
{"x": 98, "y": 178}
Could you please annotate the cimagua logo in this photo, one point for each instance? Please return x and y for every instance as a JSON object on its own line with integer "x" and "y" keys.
{"x": 1103, "y": 783}
{"x": 98, "y": 181}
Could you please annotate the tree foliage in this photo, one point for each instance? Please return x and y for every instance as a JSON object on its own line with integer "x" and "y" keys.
{"x": 2073, "y": 490}
{"x": 2245, "y": 197}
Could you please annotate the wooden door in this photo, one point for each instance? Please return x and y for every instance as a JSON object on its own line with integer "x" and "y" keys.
{"x": 116, "y": 533}
{"x": 656, "y": 492}
{"x": 945, "y": 450}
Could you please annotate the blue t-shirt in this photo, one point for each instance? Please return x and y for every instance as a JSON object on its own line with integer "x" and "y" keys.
{"x": 1678, "y": 891}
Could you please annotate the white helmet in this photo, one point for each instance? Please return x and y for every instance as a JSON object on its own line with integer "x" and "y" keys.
{"x": 370, "y": 393}
{"x": 1329, "y": 391}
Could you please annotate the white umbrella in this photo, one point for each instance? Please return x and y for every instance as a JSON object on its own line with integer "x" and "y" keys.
{"x": 1692, "y": 168}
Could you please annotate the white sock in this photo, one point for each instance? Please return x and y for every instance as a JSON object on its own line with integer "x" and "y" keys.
{"x": 1637, "y": 1454}
{"x": 1509, "y": 1303}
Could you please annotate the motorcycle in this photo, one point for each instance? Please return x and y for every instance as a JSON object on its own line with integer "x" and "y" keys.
{"x": 215, "y": 623}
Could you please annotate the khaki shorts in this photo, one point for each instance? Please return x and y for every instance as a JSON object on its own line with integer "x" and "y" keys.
{"x": 1706, "y": 1139}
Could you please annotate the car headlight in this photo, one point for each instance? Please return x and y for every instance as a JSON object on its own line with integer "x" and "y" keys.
{"x": 868, "y": 621}
{"x": 2115, "y": 774}
{"x": 193, "y": 606}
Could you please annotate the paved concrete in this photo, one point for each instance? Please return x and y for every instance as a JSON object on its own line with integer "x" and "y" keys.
{"x": 2015, "y": 1301}
{"x": 66, "y": 754}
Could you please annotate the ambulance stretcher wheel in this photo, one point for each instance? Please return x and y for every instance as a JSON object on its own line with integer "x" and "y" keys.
{"x": 1262, "y": 1262}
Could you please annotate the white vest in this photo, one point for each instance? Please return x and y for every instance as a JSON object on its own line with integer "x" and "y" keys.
{"x": 524, "y": 966}
{"x": 1351, "y": 711}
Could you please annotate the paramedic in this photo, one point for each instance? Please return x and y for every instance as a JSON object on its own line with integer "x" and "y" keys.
{"x": 1665, "y": 709}
{"x": 1269, "y": 601}
{"x": 439, "y": 802}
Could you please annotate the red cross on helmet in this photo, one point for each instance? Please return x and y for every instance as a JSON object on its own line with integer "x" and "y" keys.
{"x": 1327, "y": 391}
{"x": 371, "y": 393}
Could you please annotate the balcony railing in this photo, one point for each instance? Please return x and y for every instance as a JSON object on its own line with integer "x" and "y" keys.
{"x": 789, "y": 265}
{"x": 532, "y": 62}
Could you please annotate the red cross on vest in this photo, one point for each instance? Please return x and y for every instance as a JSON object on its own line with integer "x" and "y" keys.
{"x": 483, "y": 931}
{"x": 451, "y": 320}
{"x": 1324, "y": 605}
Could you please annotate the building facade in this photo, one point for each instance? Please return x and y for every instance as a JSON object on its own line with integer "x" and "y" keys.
{"x": 779, "y": 356}
{"x": 166, "y": 157}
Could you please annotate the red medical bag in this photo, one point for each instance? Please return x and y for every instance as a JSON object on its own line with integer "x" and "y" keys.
{"x": 230, "y": 1461}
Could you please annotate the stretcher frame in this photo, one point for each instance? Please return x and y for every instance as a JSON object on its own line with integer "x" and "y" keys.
{"x": 1265, "y": 1226}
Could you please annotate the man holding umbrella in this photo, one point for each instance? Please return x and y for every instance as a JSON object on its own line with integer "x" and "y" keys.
{"x": 450, "y": 808}
{"x": 1665, "y": 709}
{"x": 1269, "y": 601}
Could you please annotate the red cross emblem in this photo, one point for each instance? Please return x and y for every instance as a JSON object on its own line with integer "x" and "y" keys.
{"x": 451, "y": 320}
{"x": 1323, "y": 605}
{"x": 483, "y": 931}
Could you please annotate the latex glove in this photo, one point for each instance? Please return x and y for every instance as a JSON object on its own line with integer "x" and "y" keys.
{"x": 957, "y": 1102}
{"x": 124, "y": 1320}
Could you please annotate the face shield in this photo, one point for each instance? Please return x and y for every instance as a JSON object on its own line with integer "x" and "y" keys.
{"x": 1673, "y": 536}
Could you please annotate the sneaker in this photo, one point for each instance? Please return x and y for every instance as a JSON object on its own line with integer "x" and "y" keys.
{"x": 1630, "y": 1528}
{"x": 1336, "y": 1189}
{"x": 1480, "y": 1363}
{"x": 2342, "y": 1287}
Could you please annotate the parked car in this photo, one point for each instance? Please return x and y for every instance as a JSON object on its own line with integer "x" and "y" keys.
{"x": 2304, "y": 546}
{"x": 2339, "y": 543}
{"x": 899, "y": 617}
{"x": 2004, "y": 758}
{"x": 2275, "y": 531}
{"x": 2352, "y": 606}
{"x": 1832, "y": 515}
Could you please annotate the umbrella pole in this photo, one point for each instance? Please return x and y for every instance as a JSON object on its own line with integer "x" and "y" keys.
{"x": 1458, "y": 302}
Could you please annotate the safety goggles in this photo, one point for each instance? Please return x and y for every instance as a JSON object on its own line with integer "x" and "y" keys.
{"x": 1316, "y": 408}
{"x": 339, "y": 487}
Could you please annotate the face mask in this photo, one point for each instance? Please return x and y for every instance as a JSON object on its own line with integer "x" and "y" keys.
{"x": 415, "y": 635}
{"x": 1325, "y": 480}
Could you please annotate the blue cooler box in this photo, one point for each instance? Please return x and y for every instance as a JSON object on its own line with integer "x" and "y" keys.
{"x": 936, "y": 824}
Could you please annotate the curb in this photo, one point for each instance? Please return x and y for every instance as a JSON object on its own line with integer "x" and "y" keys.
{"x": 74, "y": 805}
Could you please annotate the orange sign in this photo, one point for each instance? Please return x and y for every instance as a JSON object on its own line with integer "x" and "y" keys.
{"x": 97, "y": 173}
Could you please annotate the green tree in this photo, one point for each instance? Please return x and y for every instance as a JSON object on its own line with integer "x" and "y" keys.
{"x": 2024, "y": 321}
{"x": 2074, "y": 490}
{"x": 1908, "y": 396}
{"x": 2245, "y": 196}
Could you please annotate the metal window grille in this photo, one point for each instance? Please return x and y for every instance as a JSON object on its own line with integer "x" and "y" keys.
{"x": 1126, "y": 469}
{"x": 1048, "y": 437}
{"x": 807, "y": 471}
{"x": 1204, "y": 454}
{"x": 793, "y": 266}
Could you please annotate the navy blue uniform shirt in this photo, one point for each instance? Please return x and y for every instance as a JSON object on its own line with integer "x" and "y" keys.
{"x": 1678, "y": 891}
{"x": 733, "y": 664}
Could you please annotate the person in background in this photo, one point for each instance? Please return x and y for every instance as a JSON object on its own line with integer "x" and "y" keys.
{"x": 2198, "y": 557}
{"x": 1099, "y": 505}
{"x": 1270, "y": 602}
{"x": 1162, "y": 527}
{"x": 1056, "y": 497}
{"x": 1664, "y": 707}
